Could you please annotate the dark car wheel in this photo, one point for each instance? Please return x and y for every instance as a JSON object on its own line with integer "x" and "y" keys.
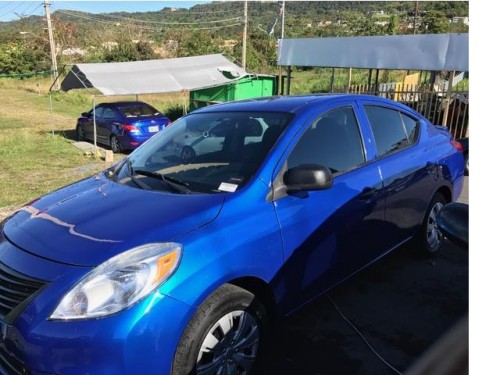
{"x": 430, "y": 237}
{"x": 187, "y": 154}
{"x": 115, "y": 144}
{"x": 80, "y": 133}
{"x": 225, "y": 335}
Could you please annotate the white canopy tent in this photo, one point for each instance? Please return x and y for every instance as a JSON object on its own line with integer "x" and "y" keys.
{"x": 152, "y": 76}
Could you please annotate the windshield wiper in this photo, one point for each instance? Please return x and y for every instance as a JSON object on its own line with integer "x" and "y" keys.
{"x": 130, "y": 173}
{"x": 173, "y": 183}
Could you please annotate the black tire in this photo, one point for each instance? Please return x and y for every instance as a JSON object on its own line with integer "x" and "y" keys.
{"x": 466, "y": 162}
{"x": 247, "y": 320}
{"x": 187, "y": 154}
{"x": 80, "y": 133}
{"x": 430, "y": 238}
{"x": 115, "y": 144}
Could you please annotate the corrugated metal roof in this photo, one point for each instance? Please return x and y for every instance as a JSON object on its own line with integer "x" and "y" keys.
{"x": 153, "y": 76}
{"x": 448, "y": 52}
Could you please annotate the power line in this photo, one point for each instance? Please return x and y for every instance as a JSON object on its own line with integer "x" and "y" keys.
{"x": 169, "y": 23}
{"x": 12, "y": 9}
{"x": 144, "y": 27}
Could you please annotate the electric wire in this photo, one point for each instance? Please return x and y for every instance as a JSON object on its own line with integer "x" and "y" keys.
{"x": 12, "y": 9}
{"x": 362, "y": 336}
{"x": 143, "y": 27}
{"x": 166, "y": 23}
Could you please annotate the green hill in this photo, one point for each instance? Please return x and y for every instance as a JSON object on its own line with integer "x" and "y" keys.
{"x": 216, "y": 27}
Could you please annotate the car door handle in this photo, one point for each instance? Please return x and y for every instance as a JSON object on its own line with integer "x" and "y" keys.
{"x": 367, "y": 194}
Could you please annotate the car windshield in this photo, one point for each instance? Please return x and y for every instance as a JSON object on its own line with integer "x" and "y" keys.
{"x": 204, "y": 153}
{"x": 138, "y": 110}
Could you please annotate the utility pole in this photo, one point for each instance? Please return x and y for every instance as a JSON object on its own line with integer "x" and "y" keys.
{"x": 244, "y": 52}
{"x": 53, "y": 57}
{"x": 280, "y": 74}
{"x": 283, "y": 20}
{"x": 415, "y": 18}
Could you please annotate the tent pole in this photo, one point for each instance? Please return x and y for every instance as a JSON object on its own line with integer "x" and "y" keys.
{"x": 51, "y": 114}
{"x": 95, "y": 127}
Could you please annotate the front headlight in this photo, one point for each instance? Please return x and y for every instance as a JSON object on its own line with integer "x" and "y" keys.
{"x": 120, "y": 282}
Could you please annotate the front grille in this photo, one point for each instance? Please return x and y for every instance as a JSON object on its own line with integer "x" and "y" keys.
{"x": 16, "y": 291}
{"x": 10, "y": 365}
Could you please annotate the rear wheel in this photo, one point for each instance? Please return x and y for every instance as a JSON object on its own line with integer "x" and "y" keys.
{"x": 430, "y": 236}
{"x": 225, "y": 335}
{"x": 80, "y": 133}
{"x": 115, "y": 144}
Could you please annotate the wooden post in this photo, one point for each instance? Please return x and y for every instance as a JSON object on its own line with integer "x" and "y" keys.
{"x": 288, "y": 79}
{"x": 332, "y": 78}
{"x": 349, "y": 80}
{"x": 448, "y": 98}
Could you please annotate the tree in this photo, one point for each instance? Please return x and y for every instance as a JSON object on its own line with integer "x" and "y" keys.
{"x": 392, "y": 28}
{"x": 436, "y": 22}
{"x": 128, "y": 51}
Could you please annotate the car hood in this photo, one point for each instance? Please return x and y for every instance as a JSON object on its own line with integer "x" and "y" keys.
{"x": 93, "y": 220}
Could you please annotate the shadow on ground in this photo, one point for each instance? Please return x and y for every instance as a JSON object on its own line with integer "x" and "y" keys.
{"x": 402, "y": 304}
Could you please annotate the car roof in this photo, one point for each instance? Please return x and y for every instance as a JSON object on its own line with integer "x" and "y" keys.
{"x": 291, "y": 104}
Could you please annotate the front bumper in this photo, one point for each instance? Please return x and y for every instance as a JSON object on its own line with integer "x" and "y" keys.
{"x": 141, "y": 339}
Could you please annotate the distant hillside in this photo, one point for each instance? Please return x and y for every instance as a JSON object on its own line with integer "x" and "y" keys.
{"x": 216, "y": 27}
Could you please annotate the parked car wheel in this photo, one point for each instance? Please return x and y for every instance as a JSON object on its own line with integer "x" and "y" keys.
{"x": 115, "y": 144}
{"x": 187, "y": 154}
{"x": 80, "y": 133}
{"x": 431, "y": 237}
{"x": 224, "y": 336}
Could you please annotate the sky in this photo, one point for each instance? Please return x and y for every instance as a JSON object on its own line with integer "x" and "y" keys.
{"x": 12, "y": 10}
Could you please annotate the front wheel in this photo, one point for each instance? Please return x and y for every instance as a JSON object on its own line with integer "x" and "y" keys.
{"x": 80, "y": 133}
{"x": 431, "y": 237}
{"x": 225, "y": 335}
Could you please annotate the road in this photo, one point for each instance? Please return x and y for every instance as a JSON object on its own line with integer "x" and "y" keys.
{"x": 401, "y": 304}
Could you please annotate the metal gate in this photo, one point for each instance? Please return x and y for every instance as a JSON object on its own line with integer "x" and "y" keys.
{"x": 438, "y": 104}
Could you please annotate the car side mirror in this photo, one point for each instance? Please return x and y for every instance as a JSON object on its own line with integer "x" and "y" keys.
{"x": 308, "y": 177}
{"x": 86, "y": 114}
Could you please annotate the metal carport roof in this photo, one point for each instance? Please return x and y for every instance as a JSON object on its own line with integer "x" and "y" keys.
{"x": 448, "y": 52}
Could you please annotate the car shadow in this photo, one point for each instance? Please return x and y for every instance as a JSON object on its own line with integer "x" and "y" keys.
{"x": 402, "y": 304}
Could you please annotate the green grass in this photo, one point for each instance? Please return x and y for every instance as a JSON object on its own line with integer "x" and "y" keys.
{"x": 36, "y": 155}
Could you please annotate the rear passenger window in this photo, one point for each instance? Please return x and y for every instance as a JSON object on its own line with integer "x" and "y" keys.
{"x": 333, "y": 140}
{"x": 392, "y": 132}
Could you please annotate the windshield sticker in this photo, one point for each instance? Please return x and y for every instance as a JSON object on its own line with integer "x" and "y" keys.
{"x": 230, "y": 188}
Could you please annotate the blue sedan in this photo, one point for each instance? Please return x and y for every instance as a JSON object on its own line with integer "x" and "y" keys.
{"x": 121, "y": 125}
{"x": 165, "y": 264}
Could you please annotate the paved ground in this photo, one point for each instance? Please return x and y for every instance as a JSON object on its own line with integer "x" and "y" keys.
{"x": 402, "y": 305}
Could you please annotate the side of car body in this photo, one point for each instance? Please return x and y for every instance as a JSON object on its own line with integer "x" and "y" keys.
{"x": 283, "y": 245}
